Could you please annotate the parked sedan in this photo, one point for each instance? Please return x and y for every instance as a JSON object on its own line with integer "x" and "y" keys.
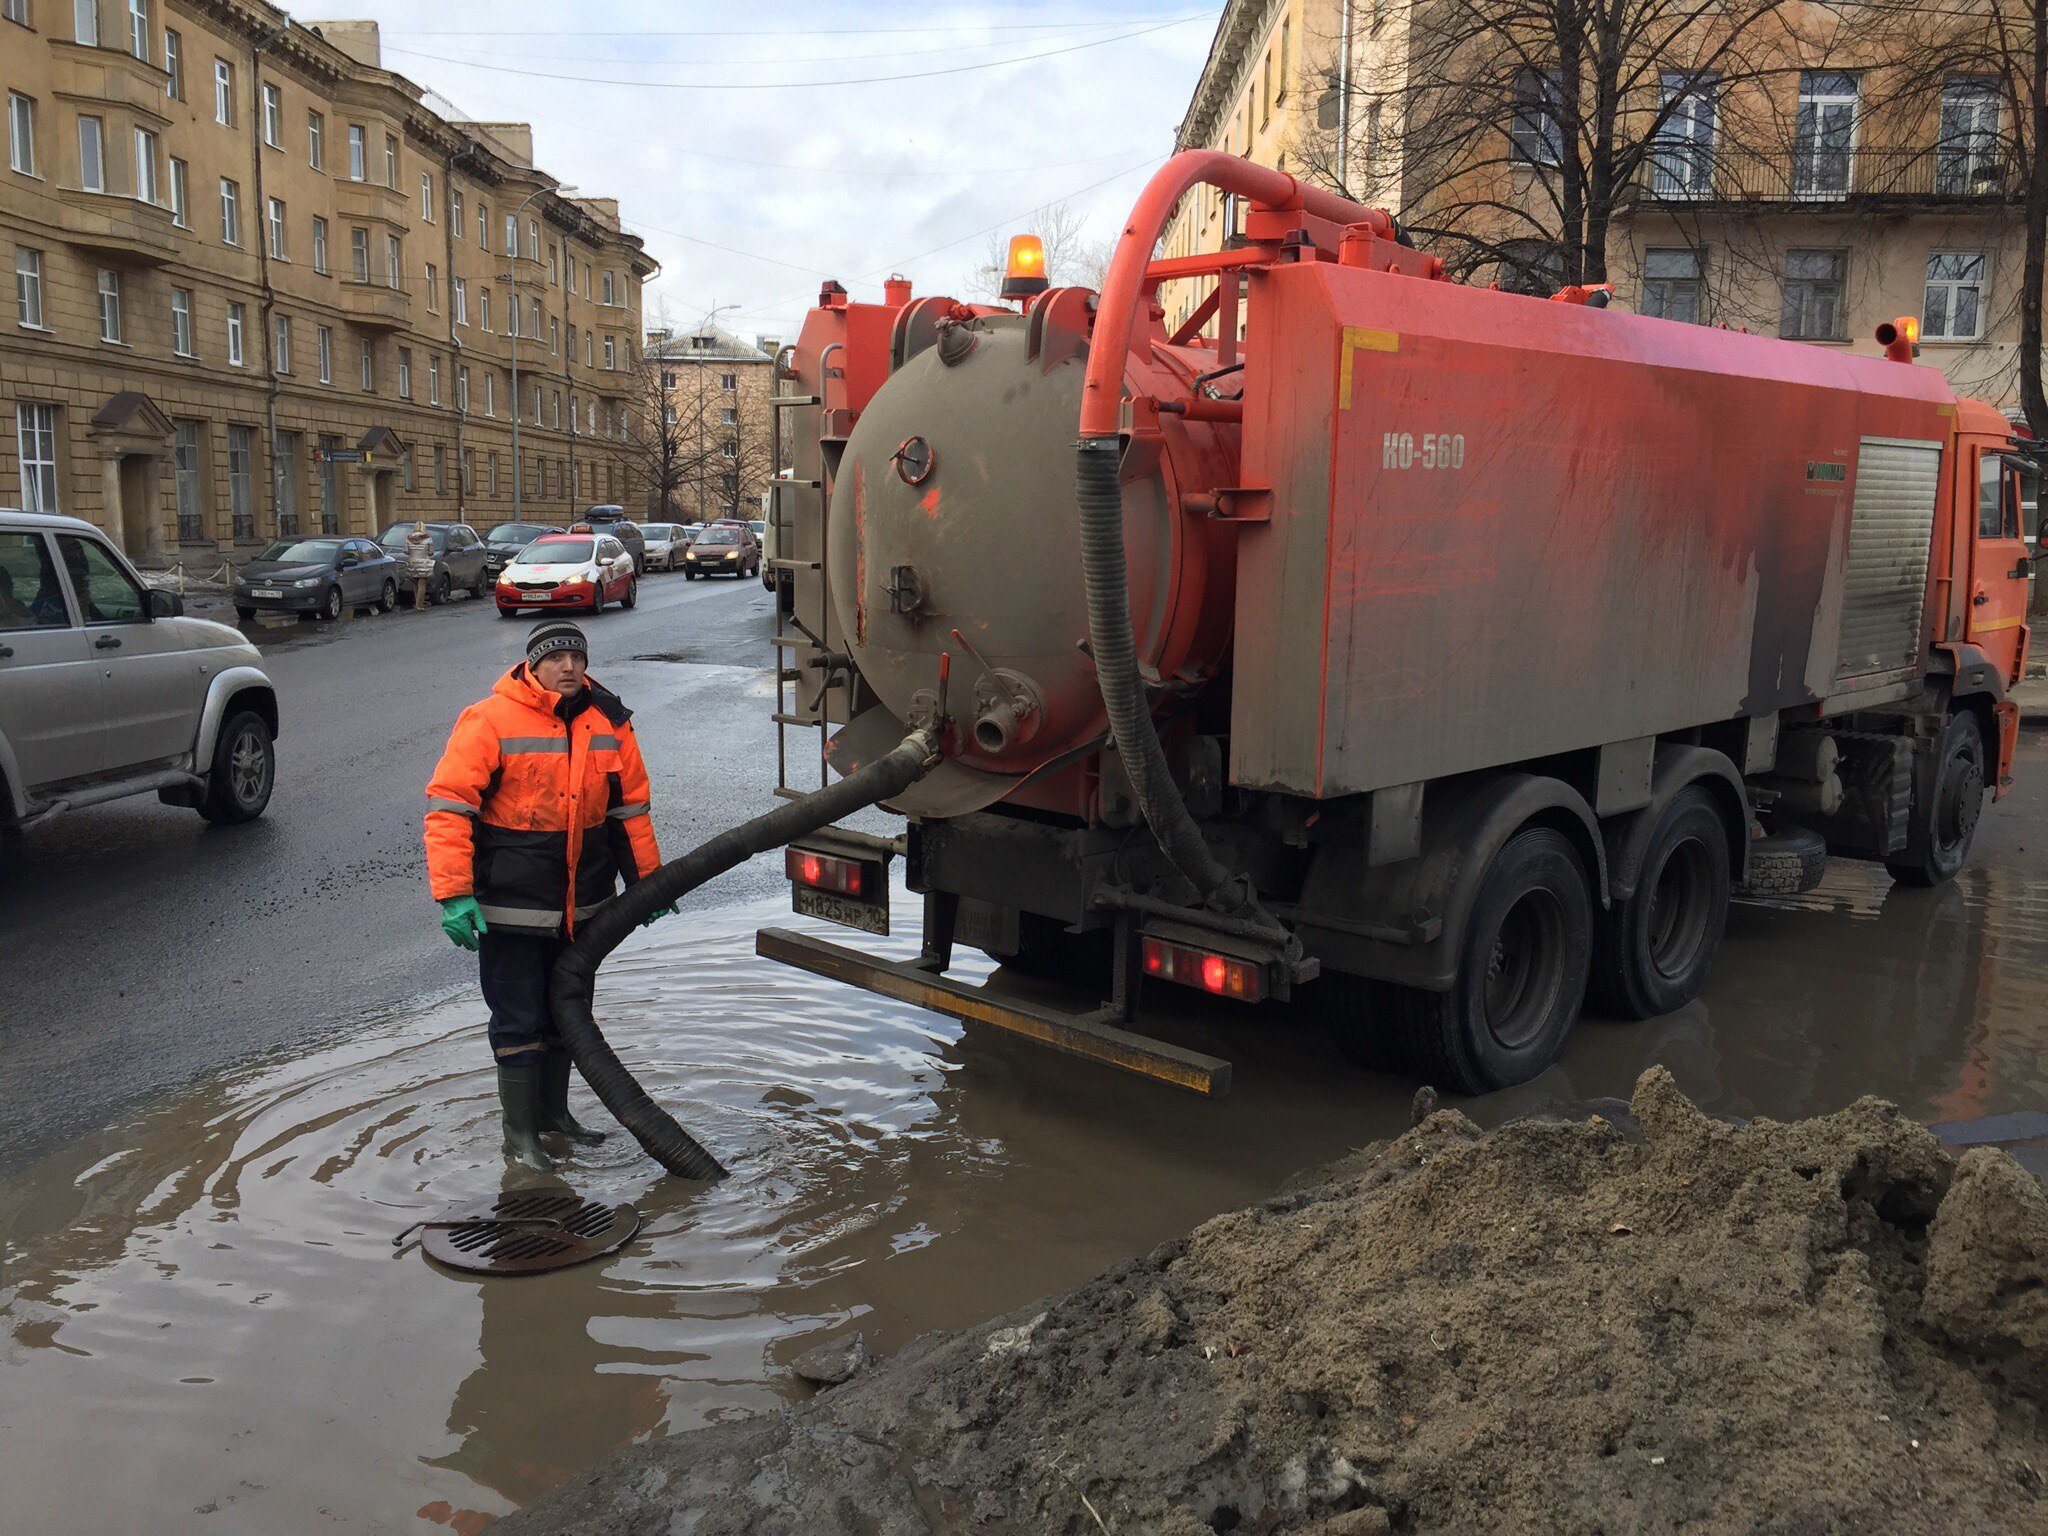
{"x": 665, "y": 543}
{"x": 459, "y": 557}
{"x": 318, "y": 579}
{"x": 569, "y": 570}
{"x": 724, "y": 548}
{"x": 506, "y": 540}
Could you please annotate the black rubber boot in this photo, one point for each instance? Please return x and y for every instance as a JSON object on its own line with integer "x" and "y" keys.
{"x": 519, "y": 1088}
{"x": 554, "y": 1101}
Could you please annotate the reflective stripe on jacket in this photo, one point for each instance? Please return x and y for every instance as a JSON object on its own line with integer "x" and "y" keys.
{"x": 539, "y": 806}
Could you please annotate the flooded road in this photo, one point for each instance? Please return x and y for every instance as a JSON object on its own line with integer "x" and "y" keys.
{"x": 206, "y": 1328}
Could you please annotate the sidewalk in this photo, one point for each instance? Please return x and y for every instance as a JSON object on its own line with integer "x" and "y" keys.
{"x": 2031, "y": 695}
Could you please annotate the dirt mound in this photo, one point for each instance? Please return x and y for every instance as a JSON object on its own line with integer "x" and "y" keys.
{"x": 1830, "y": 1326}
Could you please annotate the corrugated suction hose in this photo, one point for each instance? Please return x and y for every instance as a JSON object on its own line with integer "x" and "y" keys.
{"x": 575, "y": 974}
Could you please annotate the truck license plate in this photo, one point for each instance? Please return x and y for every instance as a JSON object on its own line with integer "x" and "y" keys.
{"x": 869, "y": 917}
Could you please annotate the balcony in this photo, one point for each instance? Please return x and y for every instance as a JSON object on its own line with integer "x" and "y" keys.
{"x": 124, "y": 230}
{"x": 375, "y": 305}
{"x": 357, "y": 200}
{"x": 107, "y": 77}
{"x": 1819, "y": 180}
{"x": 530, "y": 273}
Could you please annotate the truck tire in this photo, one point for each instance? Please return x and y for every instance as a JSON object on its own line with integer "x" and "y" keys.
{"x": 1785, "y": 863}
{"x": 1521, "y": 979}
{"x": 243, "y": 773}
{"x": 1652, "y": 952}
{"x": 1944, "y": 820}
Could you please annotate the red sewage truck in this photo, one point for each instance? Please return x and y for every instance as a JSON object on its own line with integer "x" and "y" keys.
{"x": 1437, "y": 657}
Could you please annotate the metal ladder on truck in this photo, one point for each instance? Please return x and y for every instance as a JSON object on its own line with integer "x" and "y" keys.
{"x": 794, "y": 643}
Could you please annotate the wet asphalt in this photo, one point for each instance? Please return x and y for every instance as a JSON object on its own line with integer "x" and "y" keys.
{"x": 144, "y": 947}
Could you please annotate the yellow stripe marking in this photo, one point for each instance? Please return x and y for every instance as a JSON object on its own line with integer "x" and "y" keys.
{"x": 1995, "y": 625}
{"x": 1357, "y": 337}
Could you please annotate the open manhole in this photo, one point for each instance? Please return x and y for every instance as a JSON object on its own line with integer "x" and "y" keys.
{"x": 524, "y": 1231}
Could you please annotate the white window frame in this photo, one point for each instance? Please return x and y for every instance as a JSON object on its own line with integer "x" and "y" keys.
{"x": 224, "y": 93}
{"x": 1841, "y": 279}
{"x": 366, "y": 366}
{"x": 1950, "y": 287}
{"x": 455, "y": 214}
{"x": 148, "y": 186}
{"x": 358, "y": 254}
{"x": 426, "y": 197}
{"x": 35, "y": 440}
{"x": 316, "y": 140}
{"x": 394, "y": 262}
{"x": 391, "y": 162}
{"x": 323, "y": 346}
{"x": 85, "y": 22}
{"x": 21, "y": 133}
{"x": 611, "y": 354}
{"x": 281, "y": 343}
{"x": 174, "y": 63}
{"x": 458, "y": 292}
{"x": 405, "y": 373}
{"x": 279, "y": 231}
{"x": 1819, "y": 102}
{"x": 1697, "y": 279}
{"x": 358, "y": 151}
{"x": 433, "y": 379}
{"x": 237, "y": 335}
{"x": 230, "y": 212}
{"x": 462, "y": 390}
{"x": 92, "y": 167}
{"x": 273, "y": 115}
{"x": 28, "y": 288}
{"x": 181, "y": 193}
{"x": 610, "y": 290}
{"x": 181, "y": 322}
{"x": 320, "y": 244}
{"x": 431, "y": 274}
{"x": 138, "y": 29}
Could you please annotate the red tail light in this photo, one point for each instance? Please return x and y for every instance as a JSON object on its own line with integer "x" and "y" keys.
{"x": 822, "y": 872}
{"x": 1222, "y": 975}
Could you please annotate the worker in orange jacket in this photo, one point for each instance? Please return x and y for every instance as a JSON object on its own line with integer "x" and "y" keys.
{"x": 538, "y": 807}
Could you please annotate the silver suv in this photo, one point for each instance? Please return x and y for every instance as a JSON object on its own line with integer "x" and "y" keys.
{"x": 107, "y": 690}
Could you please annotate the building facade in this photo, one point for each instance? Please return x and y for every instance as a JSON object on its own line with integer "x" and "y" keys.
{"x": 261, "y": 288}
{"x": 714, "y": 448}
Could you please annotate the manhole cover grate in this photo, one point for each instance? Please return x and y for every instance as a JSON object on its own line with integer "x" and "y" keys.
{"x": 523, "y": 1231}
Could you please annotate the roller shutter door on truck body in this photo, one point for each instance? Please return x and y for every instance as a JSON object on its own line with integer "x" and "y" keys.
{"x": 1884, "y": 584}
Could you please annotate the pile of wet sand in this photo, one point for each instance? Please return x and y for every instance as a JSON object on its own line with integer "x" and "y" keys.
{"x": 1679, "y": 1325}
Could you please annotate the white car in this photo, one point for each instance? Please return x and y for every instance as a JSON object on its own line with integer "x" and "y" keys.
{"x": 665, "y": 545}
{"x": 568, "y": 570}
{"x": 108, "y": 690}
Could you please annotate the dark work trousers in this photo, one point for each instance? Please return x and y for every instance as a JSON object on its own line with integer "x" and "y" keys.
{"x": 514, "y": 968}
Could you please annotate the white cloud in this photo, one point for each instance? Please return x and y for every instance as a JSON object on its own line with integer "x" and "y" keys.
{"x": 845, "y": 181}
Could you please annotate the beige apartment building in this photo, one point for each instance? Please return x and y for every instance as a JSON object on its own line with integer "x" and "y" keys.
{"x": 1813, "y": 198}
{"x": 717, "y": 433}
{"x": 262, "y": 288}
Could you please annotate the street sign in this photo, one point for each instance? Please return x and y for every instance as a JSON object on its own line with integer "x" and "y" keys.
{"x": 339, "y": 456}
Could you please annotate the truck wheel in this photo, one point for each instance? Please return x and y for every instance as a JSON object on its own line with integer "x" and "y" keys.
{"x": 1521, "y": 977}
{"x": 1358, "y": 1012}
{"x": 243, "y": 773}
{"x": 1785, "y": 863}
{"x": 1652, "y": 952}
{"x": 1944, "y": 823}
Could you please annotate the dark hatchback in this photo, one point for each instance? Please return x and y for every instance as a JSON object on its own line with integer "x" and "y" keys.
{"x": 507, "y": 539}
{"x": 317, "y": 578}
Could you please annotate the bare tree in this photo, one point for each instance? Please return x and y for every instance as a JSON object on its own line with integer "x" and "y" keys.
{"x": 1071, "y": 258}
{"x": 664, "y": 432}
{"x": 1508, "y": 135}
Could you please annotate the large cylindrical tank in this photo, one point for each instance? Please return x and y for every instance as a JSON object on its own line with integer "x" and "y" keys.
{"x": 953, "y": 509}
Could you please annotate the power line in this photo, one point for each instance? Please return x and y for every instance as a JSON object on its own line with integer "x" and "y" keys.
{"x": 839, "y": 56}
{"x": 834, "y": 32}
{"x": 787, "y": 85}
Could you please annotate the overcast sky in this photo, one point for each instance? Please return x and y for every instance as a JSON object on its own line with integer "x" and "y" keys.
{"x": 806, "y": 179}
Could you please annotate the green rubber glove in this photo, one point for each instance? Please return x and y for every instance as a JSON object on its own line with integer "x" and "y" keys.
{"x": 462, "y": 920}
{"x": 659, "y": 912}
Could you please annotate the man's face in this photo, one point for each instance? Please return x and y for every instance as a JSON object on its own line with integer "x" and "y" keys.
{"x": 561, "y": 671}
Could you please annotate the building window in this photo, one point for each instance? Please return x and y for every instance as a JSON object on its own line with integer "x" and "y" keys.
{"x": 138, "y": 29}
{"x": 15, "y": 10}
{"x": 405, "y": 373}
{"x": 284, "y": 467}
{"x": 230, "y": 212}
{"x": 92, "y": 170}
{"x": 224, "y": 93}
{"x": 366, "y": 365}
{"x": 1536, "y": 135}
{"x": 533, "y": 239}
{"x": 359, "y": 254}
{"x": 316, "y": 141}
{"x": 174, "y": 65}
{"x": 426, "y": 197}
{"x": 355, "y": 152}
{"x": 281, "y": 342}
{"x": 241, "y": 498}
{"x": 1682, "y": 148}
{"x": 110, "y": 305}
{"x": 609, "y": 290}
{"x": 490, "y": 392}
{"x": 1966, "y": 159}
{"x": 28, "y": 287}
{"x": 323, "y": 346}
{"x": 554, "y": 409}
{"x": 35, "y": 428}
{"x": 455, "y": 214}
{"x": 147, "y": 188}
{"x": 390, "y": 162}
{"x": 320, "y": 245}
{"x": 181, "y": 193}
{"x": 554, "y": 335}
{"x": 440, "y": 469}
{"x": 729, "y": 417}
{"x": 235, "y": 317}
{"x": 536, "y": 406}
{"x": 433, "y": 380}
{"x": 21, "y": 133}
{"x": 483, "y": 307}
{"x": 491, "y": 472}
{"x": 611, "y": 352}
{"x": 1813, "y": 295}
{"x": 1671, "y": 285}
{"x": 1824, "y": 135}
{"x": 462, "y": 390}
{"x": 433, "y": 289}
{"x": 729, "y": 382}
{"x": 185, "y": 477}
{"x": 511, "y": 234}
{"x": 483, "y": 226}
{"x": 1953, "y": 306}
{"x": 85, "y": 22}
{"x": 181, "y": 321}
{"x": 394, "y": 263}
{"x": 273, "y": 117}
{"x": 277, "y": 241}
{"x": 587, "y": 353}
{"x": 731, "y": 449}
{"x": 458, "y": 293}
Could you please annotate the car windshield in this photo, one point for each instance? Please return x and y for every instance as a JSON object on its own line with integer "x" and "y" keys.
{"x": 554, "y": 552}
{"x": 514, "y": 533}
{"x": 396, "y": 535}
{"x": 718, "y": 536}
{"x": 303, "y": 551}
{"x": 656, "y": 530}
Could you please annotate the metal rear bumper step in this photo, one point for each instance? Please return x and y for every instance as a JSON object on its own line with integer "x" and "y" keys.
{"x": 1097, "y": 1036}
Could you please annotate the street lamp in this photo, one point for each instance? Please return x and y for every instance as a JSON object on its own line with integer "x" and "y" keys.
{"x": 512, "y": 281}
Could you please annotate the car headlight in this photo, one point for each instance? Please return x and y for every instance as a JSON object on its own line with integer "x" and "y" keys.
{"x": 308, "y": 581}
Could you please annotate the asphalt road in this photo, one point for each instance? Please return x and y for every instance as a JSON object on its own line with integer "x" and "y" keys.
{"x": 144, "y": 947}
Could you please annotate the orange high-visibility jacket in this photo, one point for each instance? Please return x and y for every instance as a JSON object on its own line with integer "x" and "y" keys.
{"x": 539, "y": 806}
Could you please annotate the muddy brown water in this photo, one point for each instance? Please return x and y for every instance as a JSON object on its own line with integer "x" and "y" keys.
{"x": 206, "y": 1327}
